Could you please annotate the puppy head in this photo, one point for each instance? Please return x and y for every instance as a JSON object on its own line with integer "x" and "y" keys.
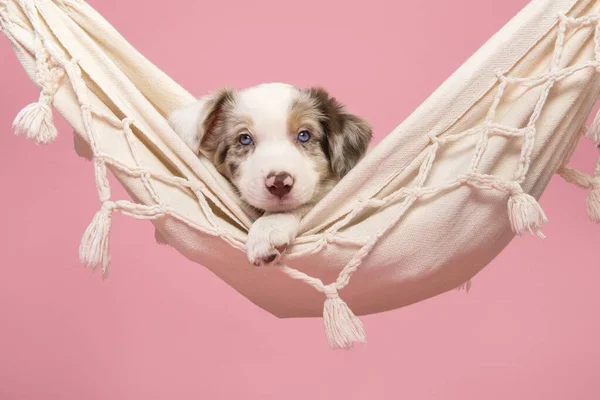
{"x": 280, "y": 146}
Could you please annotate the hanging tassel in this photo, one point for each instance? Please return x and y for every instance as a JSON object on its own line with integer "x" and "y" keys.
{"x": 36, "y": 119}
{"x": 525, "y": 213}
{"x": 586, "y": 181}
{"x": 93, "y": 250}
{"x": 36, "y": 122}
{"x": 342, "y": 327}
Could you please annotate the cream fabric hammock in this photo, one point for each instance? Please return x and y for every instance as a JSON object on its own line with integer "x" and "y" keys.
{"x": 453, "y": 184}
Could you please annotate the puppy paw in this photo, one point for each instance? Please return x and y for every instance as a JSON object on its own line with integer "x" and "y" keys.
{"x": 269, "y": 236}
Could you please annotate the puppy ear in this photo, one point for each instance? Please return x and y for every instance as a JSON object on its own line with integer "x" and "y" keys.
{"x": 194, "y": 122}
{"x": 347, "y": 136}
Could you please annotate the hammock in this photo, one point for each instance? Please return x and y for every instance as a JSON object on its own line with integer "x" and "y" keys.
{"x": 455, "y": 182}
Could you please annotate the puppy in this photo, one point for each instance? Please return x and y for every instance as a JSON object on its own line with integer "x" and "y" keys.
{"x": 281, "y": 147}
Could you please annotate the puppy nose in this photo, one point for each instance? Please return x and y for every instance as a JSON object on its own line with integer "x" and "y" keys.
{"x": 279, "y": 184}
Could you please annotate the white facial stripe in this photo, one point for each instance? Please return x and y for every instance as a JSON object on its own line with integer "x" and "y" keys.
{"x": 268, "y": 106}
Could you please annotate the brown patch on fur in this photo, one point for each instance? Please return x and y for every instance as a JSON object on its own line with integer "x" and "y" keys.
{"x": 306, "y": 115}
{"x": 347, "y": 136}
{"x": 220, "y": 142}
{"x": 235, "y": 155}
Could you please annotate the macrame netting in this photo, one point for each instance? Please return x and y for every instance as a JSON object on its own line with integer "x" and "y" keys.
{"x": 32, "y": 26}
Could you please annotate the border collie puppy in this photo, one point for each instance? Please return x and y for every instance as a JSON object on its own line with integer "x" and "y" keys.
{"x": 281, "y": 147}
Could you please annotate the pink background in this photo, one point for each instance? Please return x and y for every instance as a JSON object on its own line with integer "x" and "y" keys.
{"x": 162, "y": 327}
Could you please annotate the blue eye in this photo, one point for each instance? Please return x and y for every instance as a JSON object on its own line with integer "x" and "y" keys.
{"x": 303, "y": 136}
{"x": 246, "y": 139}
